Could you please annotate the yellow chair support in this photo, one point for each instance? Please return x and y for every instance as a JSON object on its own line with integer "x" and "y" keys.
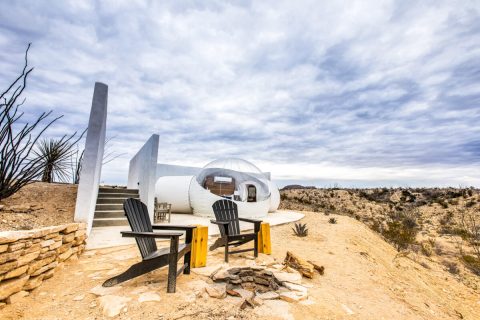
{"x": 199, "y": 247}
{"x": 264, "y": 243}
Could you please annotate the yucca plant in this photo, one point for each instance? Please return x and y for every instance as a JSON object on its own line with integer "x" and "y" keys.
{"x": 55, "y": 156}
{"x": 300, "y": 229}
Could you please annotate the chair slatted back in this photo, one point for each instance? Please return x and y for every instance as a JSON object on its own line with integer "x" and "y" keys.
{"x": 137, "y": 215}
{"x": 226, "y": 210}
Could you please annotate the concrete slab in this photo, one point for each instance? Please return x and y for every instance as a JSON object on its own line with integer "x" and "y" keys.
{"x": 104, "y": 237}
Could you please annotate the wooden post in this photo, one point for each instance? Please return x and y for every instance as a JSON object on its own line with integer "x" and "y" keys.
{"x": 264, "y": 243}
{"x": 199, "y": 247}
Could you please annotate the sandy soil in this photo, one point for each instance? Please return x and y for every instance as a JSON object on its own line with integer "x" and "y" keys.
{"x": 364, "y": 278}
{"x": 38, "y": 205}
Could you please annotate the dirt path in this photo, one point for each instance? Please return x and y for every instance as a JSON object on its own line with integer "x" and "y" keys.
{"x": 364, "y": 279}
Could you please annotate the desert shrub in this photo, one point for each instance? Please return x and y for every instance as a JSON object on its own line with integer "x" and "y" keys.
{"x": 300, "y": 229}
{"x": 470, "y": 231}
{"x": 446, "y": 219}
{"x": 452, "y": 267}
{"x": 453, "y": 202}
{"x": 472, "y": 263}
{"x": 470, "y": 204}
{"x": 402, "y": 229}
{"x": 332, "y": 220}
{"x": 427, "y": 248}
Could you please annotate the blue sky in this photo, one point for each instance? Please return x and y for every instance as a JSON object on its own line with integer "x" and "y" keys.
{"x": 358, "y": 93}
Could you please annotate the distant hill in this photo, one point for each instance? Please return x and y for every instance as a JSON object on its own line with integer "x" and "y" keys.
{"x": 297, "y": 186}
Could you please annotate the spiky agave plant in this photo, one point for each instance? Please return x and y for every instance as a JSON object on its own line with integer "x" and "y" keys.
{"x": 55, "y": 157}
{"x": 300, "y": 229}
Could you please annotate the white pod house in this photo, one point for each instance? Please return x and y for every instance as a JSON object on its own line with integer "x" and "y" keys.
{"x": 234, "y": 179}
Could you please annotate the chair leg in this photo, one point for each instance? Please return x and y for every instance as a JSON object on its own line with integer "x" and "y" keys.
{"x": 172, "y": 265}
{"x": 226, "y": 252}
{"x": 255, "y": 247}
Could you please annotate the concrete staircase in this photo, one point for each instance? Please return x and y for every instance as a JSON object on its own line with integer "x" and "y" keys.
{"x": 109, "y": 208}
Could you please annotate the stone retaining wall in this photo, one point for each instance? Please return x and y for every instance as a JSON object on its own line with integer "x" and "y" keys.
{"x": 29, "y": 257}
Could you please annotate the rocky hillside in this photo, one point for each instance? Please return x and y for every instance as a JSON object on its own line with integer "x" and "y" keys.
{"x": 440, "y": 223}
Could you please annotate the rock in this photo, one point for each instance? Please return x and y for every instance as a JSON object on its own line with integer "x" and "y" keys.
{"x": 245, "y": 294}
{"x": 70, "y": 228}
{"x": 64, "y": 256}
{"x": 3, "y": 248}
{"x": 270, "y": 295}
{"x": 294, "y": 287}
{"x": 33, "y": 282}
{"x": 9, "y": 287}
{"x": 263, "y": 281}
{"x": 112, "y": 305}
{"x": 48, "y": 274}
{"x": 47, "y": 243}
{"x": 7, "y": 266}
{"x": 64, "y": 248}
{"x": 103, "y": 291}
{"x": 9, "y": 256}
{"x": 55, "y": 245}
{"x": 27, "y": 258}
{"x": 68, "y": 238}
{"x": 318, "y": 267}
{"x": 221, "y": 275}
{"x": 79, "y": 297}
{"x": 218, "y": 291}
{"x": 16, "y": 272}
{"x": 16, "y": 246}
{"x": 292, "y": 277}
{"x": 17, "y": 297}
{"x": 148, "y": 296}
{"x": 293, "y": 296}
{"x": 34, "y": 266}
{"x": 43, "y": 269}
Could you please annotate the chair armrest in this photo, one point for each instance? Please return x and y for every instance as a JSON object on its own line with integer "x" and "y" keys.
{"x": 219, "y": 222}
{"x": 172, "y": 227}
{"x": 132, "y": 234}
{"x": 250, "y": 220}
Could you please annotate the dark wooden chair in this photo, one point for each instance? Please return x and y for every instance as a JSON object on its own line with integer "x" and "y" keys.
{"x": 227, "y": 220}
{"x": 153, "y": 258}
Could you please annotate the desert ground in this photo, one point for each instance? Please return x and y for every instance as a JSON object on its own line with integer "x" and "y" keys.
{"x": 37, "y": 205}
{"x": 365, "y": 278}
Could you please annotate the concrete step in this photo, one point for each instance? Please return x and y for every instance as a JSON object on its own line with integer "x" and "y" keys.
{"x": 110, "y": 200}
{"x": 109, "y": 206}
{"x": 117, "y": 190}
{"x": 109, "y": 222}
{"x": 109, "y": 214}
{"x": 102, "y": 195}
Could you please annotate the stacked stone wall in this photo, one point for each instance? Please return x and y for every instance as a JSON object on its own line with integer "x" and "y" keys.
{"x": 27, "y": 258}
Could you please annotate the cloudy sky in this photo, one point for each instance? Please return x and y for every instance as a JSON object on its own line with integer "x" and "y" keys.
{"x": 358, "y": 93}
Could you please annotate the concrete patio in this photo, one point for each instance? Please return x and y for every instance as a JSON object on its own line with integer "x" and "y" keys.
{"x": 104, "y": 237}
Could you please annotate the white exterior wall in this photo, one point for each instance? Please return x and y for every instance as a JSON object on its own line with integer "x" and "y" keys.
{"x": 274, "y": 196}
{"x": 201, "y": 201}
{"x": 174, "y": 190}
{"x": 93, "y": 156}
{"x": 142, "y": 172}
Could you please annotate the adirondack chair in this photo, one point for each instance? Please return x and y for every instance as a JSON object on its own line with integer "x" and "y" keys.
{"x": 152, "y": 257}
{"x": 227, "y": 220}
